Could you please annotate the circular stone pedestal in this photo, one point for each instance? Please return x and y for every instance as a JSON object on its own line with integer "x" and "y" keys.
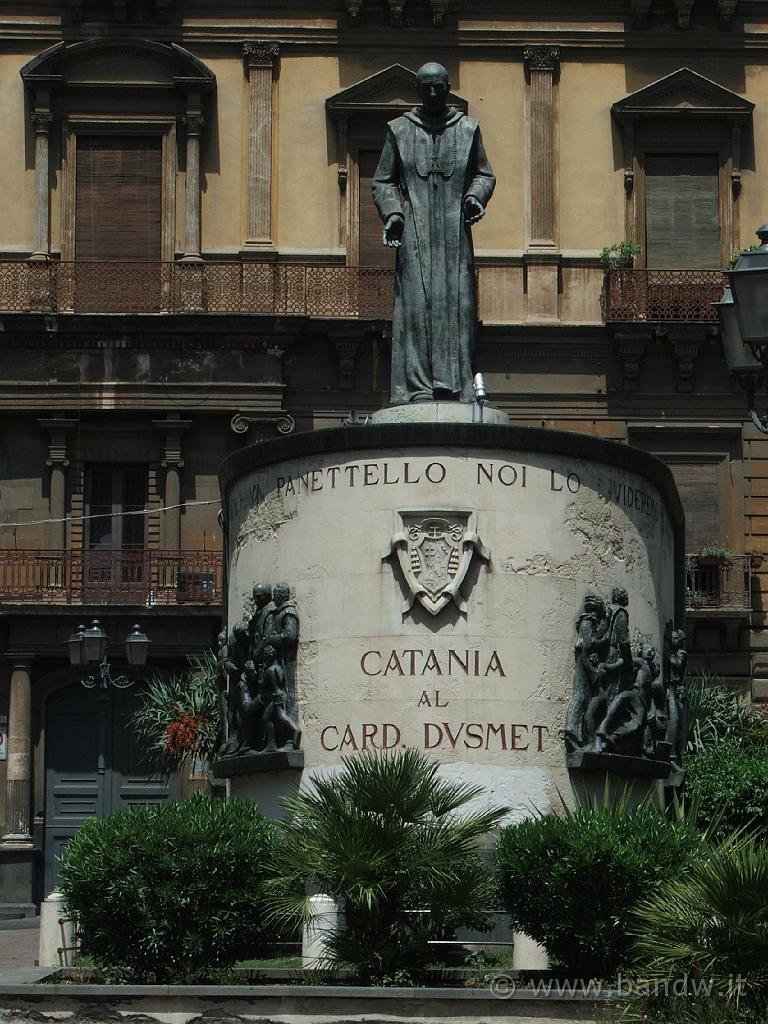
{"x": 442, "y": 412}
{"x": 438, "y": 570}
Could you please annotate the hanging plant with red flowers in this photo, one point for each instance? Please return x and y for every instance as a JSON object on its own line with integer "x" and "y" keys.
{"x": 179, "y": 715}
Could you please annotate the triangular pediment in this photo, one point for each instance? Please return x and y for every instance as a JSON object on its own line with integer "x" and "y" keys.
{"x": 393, "y": 89}
{"x": 683, "y": 91}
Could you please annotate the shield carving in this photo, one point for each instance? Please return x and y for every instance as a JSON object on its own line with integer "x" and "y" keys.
{"x": 434, "y": 551}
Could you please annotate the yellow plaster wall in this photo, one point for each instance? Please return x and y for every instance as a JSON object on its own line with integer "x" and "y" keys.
{"x": 591, "y": 179}
{"x": 305, "y": 181}
{"x": 17, "y": 168}
{"x": 225, "y": 141}
{"x": 496, "y": 94}
{"x": 753, "y": 202}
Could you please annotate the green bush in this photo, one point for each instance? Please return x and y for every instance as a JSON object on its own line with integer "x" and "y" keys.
{"x": 570, "y": 881}
{"x": 728, "y": 783}
{"x": 384, "y": 839}
{"x": 711, "y": 929}
{"x": 169, "y": 892}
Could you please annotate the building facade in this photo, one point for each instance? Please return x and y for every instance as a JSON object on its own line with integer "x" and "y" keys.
{"x": 190, "y": 261}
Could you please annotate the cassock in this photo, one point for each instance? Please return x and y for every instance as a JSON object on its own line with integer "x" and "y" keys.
{"x": 428, "y": 166}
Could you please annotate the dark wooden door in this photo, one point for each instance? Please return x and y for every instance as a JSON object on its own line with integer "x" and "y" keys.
{"x": 94, "y": 765}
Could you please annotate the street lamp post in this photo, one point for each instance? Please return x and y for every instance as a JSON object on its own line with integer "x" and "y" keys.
{"x": 88, "y": 647}
{"x": 743, "y": 316}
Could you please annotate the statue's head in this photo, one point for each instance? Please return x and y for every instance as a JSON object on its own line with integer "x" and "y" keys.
{"x": 281, "y": 593}
{"x": 262, "y": 593}
{"x": 594, "y": 603}
{"x": 620, "y": 596}
{"x": 222, "y": 638}
{"x": 678, "y": 639}
{"x": 239, "y": 632}
{"x": 269, "y": 652}
{"x": 433, "y": 86}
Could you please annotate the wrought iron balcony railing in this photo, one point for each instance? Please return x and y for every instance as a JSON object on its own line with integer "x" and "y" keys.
{"x": 662, "y": 294}
{"x": 111, "y": 577}
{"x": 711, "y": 583}
{"x": 290, "y": 289}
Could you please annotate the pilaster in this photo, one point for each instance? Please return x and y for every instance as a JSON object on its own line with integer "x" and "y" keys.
{"x": 172, "y": 462}
{"x": 193, "y": 122}
{"x": 260, "y": 61}
{"x": 59, "y": 431}
{"x": 542, "y": 258}
{"x": 19, "y": 777}
{"x": 42, "y": 119}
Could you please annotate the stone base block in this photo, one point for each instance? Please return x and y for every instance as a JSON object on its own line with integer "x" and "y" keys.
{"x": 441, "y": 412}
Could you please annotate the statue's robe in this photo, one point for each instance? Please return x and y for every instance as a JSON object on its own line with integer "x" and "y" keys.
{"x": 428, "y": 167}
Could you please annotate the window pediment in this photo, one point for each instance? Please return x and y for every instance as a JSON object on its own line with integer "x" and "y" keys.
{"x": 391, "y": 91}
{"x": 117, "y": 63}
{"x": 683, "y": 92}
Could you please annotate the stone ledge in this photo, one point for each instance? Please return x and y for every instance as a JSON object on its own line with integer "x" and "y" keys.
{"x": 252, "y": 764}
{"x": 619, "y": 764}
{"x": 441, "y": 412}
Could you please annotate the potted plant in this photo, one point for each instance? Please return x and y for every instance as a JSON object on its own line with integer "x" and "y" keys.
{"x": 756, "y": 559}
{"x": 738, "y": 253}
{"x": 714, "y": 554}
{"x": 620, "y": 254}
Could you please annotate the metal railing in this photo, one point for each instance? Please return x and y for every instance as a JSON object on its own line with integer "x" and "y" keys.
{"x": 712, "y": 583}
{"x": 291, "y": 289}
{"x": 110, "y": 577}
{"x": 685, "y": 295}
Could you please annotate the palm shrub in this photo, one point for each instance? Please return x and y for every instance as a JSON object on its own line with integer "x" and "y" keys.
{"x": 179, "y": 714}
{"x": 169, "y": 892}
{"x": 570, "y": 880}
{"x": 385, "y": 838}
{"x": 716, "y": 713}
{"x": 711, "y": 928}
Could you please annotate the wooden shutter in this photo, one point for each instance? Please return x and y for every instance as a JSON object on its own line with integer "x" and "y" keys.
{"x": 682, "y": 211}
{"x": 372, "y": 253}
{"x": 118, "y": 198}
{"x": 699, "y": 489}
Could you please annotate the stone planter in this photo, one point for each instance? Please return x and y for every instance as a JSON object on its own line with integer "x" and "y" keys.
{"x": 297, "y": 1004}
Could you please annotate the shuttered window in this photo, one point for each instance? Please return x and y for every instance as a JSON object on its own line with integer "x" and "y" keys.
{"x": 700, "y": 493}
{"x": 372, "y": 253}
{"x": 682, "y": 214}
{"x": 118, "y": 198}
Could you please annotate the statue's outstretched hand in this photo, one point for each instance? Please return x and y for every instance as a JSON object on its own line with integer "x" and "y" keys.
{"x": 473, "y": 210}
{"x": 393, "y": 231}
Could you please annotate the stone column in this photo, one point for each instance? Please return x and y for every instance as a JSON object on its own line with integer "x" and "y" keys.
{"x": 173, "y": 463}
{"x": 41, "y": 122}
{"x": 193, "y": 122}
{"x": 58, "y": 461}
{"x": 19, "y": 778}
{"x": 260, "y": 59}
{"x": 542, "y": 64}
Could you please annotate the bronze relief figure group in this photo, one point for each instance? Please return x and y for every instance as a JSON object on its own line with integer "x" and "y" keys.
{"x": 625, "y": 702}
{"x": 256, "y": 674}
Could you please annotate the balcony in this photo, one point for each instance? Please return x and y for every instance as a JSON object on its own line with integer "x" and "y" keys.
{"x": 266, "y": 289}
{"x": 659, "y": 295}
{"x": 725, "y": 586}
{"x": 147, "y": 578}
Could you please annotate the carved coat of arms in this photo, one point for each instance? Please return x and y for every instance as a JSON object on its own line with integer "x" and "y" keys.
{"x": 434, "y": 551}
